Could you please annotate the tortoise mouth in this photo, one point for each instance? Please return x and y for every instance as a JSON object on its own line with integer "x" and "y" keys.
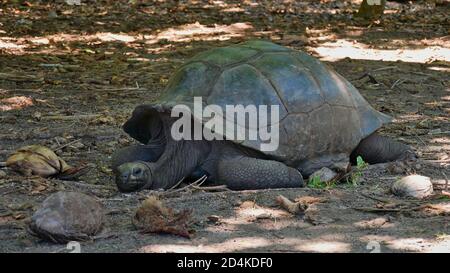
{"x": 130, "y": 185}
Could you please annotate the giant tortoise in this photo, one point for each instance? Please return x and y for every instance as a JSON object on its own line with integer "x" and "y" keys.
{"x": 323, "y": 122}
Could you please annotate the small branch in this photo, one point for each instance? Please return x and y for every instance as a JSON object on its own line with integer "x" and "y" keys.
{"x": 74, "y": 117}
{"x": 439, "y": 133}
{"x": 197, "y": 183}
{"x": 288, "y": 205}
{"x": 177, "y": 184}
{"x": 398, "y": 82}
{"x": 20, "y": 78}
{"x": 368, "y": 209}
{"x": 212, "y": 188}
{"x": 446, "y": 181}
{"x": 383, "y": 200}
{"x": 68, "y": 66}
{"x": 67, "y": 144}
{"x": 385, "y": 68}
{"x": 136, "y": 88}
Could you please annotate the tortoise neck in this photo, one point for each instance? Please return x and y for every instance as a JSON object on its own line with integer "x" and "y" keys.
{"x": 179, "y": 159}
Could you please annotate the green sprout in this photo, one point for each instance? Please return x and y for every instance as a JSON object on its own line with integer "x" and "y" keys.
{"x": 356, "y": 174}
{"x": 316, "y": 183}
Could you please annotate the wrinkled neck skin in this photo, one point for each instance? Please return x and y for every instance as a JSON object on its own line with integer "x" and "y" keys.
{"x": 178, "y": 160}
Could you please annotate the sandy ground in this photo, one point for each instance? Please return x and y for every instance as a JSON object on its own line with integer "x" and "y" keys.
{"x": 70, "y": 76}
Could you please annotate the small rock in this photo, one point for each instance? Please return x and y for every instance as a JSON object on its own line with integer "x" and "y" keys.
{"x": 415, "y": 186}
{"x": 2, "y": 174}
{"x": 263, "y": 216}
{"x": 213, "y": 218}
{"x": 68, "y": 216}
{"x": 325, "y": 175}
{"x": 52, "y": 15}
{"x": 341, "y": 166}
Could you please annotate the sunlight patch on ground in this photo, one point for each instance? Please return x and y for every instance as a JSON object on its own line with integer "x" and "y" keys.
{"x": 15, "y": 103}
{"x": 111, "y": 37}
{"x": 438, "y": 68}
{"x": 234, "y": 244}
{"x": 324, "y": 246}
{"x": 184, "y": 33}
{"x": 409, "y": 244}
{"x": 197, "y": 31}
{"x": 10, "y": 46}
{"x": 416, "y": 244}
{"x": 259, "y": 212}
{"x": 340, "y": 49}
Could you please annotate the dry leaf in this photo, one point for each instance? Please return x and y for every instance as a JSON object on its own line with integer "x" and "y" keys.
{"x": 154, "y": 217}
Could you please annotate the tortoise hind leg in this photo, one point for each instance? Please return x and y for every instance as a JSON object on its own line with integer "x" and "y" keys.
{"x": 379, "y": 149}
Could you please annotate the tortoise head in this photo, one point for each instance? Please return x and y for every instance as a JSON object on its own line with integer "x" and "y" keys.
{"x": 131, "y": 166}
{"x": 133, "y": 176}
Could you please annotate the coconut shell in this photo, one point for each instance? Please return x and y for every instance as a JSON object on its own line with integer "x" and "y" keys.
{"x": 415, "y": 186}
{"x": 68, "y": 216}
{"x": 36, "y": 160}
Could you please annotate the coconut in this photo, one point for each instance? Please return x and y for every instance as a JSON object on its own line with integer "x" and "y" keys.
{"x": 415, "y": 186}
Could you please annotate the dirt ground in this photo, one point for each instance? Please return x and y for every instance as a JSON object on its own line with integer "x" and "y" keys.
{"x": 71, "y": 75}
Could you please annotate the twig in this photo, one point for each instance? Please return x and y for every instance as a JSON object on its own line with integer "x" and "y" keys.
{"x": 27, "y": 90}
{"x": 420, "y": 139}
{"x": 212, "y": 188}
{"x": 177, "y": 184}
{"x": 197, "y": 183}
{"x": 384, "y": 68}
{"x": 19, "y": 78}
{"x": 439, "y": 133}
{"x": 288, "y": 205}
{"x": 368, "y": 209}
{"x": 422, "y": 74}
{"x": 69, "y": 66}
{"x": 67, "y": 144}
{"x": 446, "y": 181}
{"x": 383, "y": 200}
{"x": 398, "y": 82}
{"x": 120, "y": 89}
{"x": 367, "y": 74}
{"x": 136, "y": 88}
{"x": 437, "y": 161}
{"x": 74, "y": 117}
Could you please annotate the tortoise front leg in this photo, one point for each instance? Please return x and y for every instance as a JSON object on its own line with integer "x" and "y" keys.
{"x": 246, "y": 173}
{"x": 146, "y": 153}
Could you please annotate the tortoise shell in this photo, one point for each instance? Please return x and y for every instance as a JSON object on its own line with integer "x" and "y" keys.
{"x": 321, "y": 114}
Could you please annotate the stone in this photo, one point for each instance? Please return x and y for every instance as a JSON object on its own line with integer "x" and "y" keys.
{"x": 325, "y": 175}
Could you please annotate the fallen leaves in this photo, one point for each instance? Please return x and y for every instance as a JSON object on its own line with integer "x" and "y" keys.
{"x": 154, "y": 217}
